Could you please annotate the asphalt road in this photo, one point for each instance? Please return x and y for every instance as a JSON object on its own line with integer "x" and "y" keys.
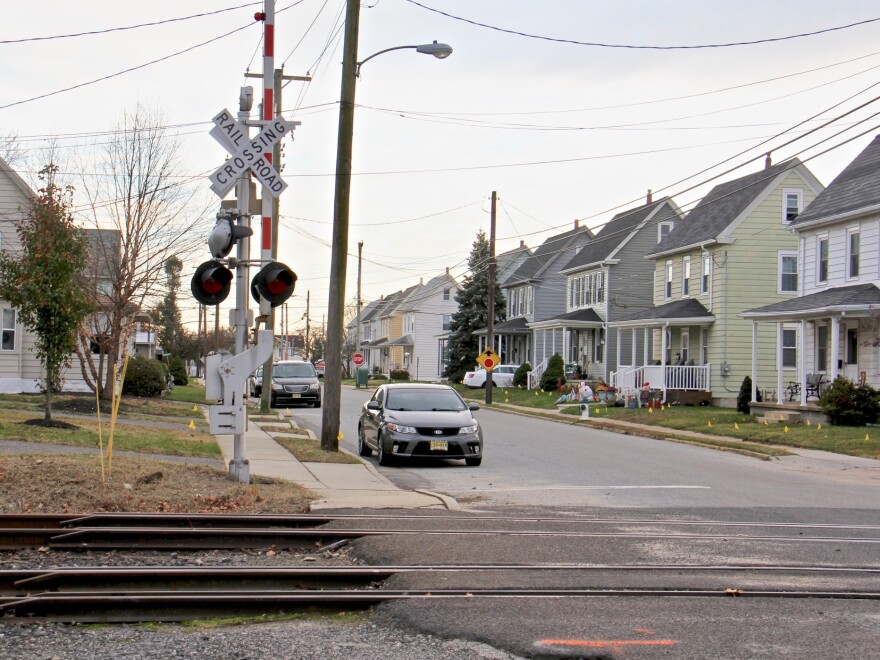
{"x": 602, "y": 499}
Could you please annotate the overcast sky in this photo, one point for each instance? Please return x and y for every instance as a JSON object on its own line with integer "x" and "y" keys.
{"x": 529, "y": 105}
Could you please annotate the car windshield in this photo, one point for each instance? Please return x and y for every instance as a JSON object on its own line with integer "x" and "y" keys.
{"x": 301, "y": 370}
{"x": 435, "y": 400}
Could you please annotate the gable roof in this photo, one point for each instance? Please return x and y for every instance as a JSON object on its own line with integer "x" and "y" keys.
{"x": 545, "y": 255}
{"x": 507, "y": 263}
{"x": 616, "y": 232}
{"x": 854, "y": 191}
{"x": 395, "y": 300}
{"x": 722, "y": 206}
{"x": 434, "y": 285}
{"x": 841, "y": 298}
{"x": 17, "y": 181}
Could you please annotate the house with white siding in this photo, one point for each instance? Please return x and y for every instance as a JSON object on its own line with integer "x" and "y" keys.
{"x": 719, "y": 261}
{"x": 829, "y": 324}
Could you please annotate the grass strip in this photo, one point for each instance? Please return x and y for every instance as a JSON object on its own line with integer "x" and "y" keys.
{"x": 306, "y": 450}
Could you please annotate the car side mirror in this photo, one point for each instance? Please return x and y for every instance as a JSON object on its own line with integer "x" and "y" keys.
{"x": 473, "y": 406}
{"x": 373, "y": 405}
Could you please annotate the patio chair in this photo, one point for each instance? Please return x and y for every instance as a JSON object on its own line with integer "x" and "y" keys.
{"x": 794, "y": 390}
{"x": 814, "y": 384}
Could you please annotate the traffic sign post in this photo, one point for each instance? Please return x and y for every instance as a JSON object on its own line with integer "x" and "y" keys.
{"x": 489, "y": 359}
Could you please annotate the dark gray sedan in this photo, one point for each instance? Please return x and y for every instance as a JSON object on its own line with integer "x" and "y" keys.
{"x": 419, "y": 421}
{"x": 293, "y": 382}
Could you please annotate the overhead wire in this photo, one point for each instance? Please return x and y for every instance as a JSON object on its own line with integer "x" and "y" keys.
{"x": 600, "y": 44}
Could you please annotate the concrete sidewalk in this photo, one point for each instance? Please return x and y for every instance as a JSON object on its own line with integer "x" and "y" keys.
{"x": 338, "y": 485}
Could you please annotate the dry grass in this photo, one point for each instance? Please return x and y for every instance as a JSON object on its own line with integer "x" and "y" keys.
{"x": 309, "y": 451}
{"x": 72, "y": 484}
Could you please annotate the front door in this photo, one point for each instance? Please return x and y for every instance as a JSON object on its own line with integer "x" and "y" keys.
{"x": 851, "y": 354}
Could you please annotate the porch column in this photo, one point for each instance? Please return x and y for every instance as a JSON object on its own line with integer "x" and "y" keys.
{"x": 645, "y": 334}
{"x": 779, "y": 389}
{"x": 663, "y": 347}
{"x": 617, "y": 349}
{"x": 634, "y": 352}
{"x": 754, "y": 392}
{"x": 543, "y": 344}
{"x": 835, "y": 347}
{"x": 802, "y": 360}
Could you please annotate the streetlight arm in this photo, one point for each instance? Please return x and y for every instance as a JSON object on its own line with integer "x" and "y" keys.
{"x": 440, "y": 51}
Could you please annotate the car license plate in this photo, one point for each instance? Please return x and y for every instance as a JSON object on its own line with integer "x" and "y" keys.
{"x": 439, "y": 445}
{"x": 295, "y": 396}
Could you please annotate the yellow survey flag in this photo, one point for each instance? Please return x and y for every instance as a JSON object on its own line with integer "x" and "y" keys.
{"x": 785, "y": 429}
{"x": 650, "y": 410}
{"x": 192, "y": 425}
{"x": 819, "y": 427}
{"x": 735, "y": 425}
{"x": 808, "y": 422}
{"x": 765, "y": 421}
{"x": 709, "y": 424}
{"x": 340, "y": 436}
{"x": 195, "y": 408}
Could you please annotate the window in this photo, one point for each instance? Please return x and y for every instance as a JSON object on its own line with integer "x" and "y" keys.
{"x": 822, "y": 259}
{"x": 600, "y": 345}
{"x": 792, "y": 203}
{"x": 789, "y": 348}
{"x": 704, "y": 346}
{"x": 590, "y": 283}
{"x": 600, "y": 287}
{"x": 685, "y": 346}
{"x": 446, "y": 322}
{"x": 668, "y": 292}
{"x": 8, "y": 342}
{"x": 520, "y": 302}
{"x": 663, "y": 230}
{"x": 822, "y": 347}
{"x": 530, "y": 299}
{"x": 707, "y": 271}
{"x": 852, "y": 252}
{"x": 788, "y": 272}
{"x": 445, "y": 294}
{"x": 685, "y": 275}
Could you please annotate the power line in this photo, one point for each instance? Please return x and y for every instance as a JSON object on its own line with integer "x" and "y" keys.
{"x": 600, "y": 44}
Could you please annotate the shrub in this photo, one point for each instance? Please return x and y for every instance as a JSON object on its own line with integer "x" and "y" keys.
{"x": 554, "y": 375}
{"x": 144, "y": 377}
{"x": 399, "y": 374}
{"x": 745, "y": 396}
{"x": 848, "y": 404}
{"x": 178, "y": 371}
{"x": 521, "y": 375}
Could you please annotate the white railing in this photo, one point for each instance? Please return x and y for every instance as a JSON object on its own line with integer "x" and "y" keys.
{"x": 629, "y": 380}
{"x": 535, "y": 375}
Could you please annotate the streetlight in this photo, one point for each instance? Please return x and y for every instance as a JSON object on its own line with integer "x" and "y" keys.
{"x": 339, "y": 249}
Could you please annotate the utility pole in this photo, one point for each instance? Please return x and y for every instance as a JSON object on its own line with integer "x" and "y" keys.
{"x": 360, "y": 302}
{"x": 490, "y": 327}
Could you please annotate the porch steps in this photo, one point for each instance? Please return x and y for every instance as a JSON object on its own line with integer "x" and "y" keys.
{"x": 776, "y": 416}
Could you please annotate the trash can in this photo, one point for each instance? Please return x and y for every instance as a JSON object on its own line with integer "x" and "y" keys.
{"x": 362, "y": 376}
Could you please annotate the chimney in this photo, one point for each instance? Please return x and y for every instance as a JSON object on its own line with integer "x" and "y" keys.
{"x": 576, "y": 223}
{"x": 447, "y": 270}
{"x": 522, "y": 243}
{"x": 650, "y": 197}
{"x": 767, "y": 162}
{"x": 421, "y": 281}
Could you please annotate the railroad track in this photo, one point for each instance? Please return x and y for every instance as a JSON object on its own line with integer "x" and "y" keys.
{"x": 114, "y": 531}
{"x": 116, "y": 595}
{"x": 149, "y": 593}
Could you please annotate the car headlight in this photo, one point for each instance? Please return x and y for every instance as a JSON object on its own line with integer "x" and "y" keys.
{"x": 399, "y": 428}
{"x": 277, "y": 387}
{"x": 469, "y": 430}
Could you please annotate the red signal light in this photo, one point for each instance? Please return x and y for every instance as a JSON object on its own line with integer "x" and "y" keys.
{"x": 275, "y": 282}
{"x": 211, "y": 283}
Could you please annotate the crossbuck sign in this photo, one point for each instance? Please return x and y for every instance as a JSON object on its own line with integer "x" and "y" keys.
{"x": 247, "y": 153}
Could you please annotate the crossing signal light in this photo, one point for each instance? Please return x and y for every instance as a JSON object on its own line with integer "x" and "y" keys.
{"x": 275, "y": 282}
{"x": 211, "y": 283}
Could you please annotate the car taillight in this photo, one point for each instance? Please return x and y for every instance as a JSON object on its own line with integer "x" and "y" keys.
{"x": 469, "y": 374}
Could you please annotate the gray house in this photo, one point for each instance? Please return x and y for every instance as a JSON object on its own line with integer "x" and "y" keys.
{"x": 607, "y": 279}
{"x": 536, "y": 292}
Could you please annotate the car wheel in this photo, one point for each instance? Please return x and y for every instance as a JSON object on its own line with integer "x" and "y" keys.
{"x": 257, "y": 392}
{"x": 363, "y": 449}
{"x": 384, "y": 458}
{"x": 483, "y": 386}
{"x": 474, "y": 461}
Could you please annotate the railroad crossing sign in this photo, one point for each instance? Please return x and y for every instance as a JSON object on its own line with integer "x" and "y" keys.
{"x": 247, "y": 153}
{"x": 357, "y": 359}
{"x": 488, "y": 359}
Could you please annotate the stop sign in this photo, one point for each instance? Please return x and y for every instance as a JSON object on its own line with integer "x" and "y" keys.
{"x": 489, "y": 363}
{"x": 358, "y": 359}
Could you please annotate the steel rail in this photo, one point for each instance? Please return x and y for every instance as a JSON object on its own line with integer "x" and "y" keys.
{"x": 8, "y": 521}
{"x": 192, "y": 538}
{"x": 181, "y": 605}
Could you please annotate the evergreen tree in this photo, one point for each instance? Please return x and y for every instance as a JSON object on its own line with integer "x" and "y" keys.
{"x": 171, "y": 333}
{"x": 472, "y": 314}
{"x": 43, "y": 280}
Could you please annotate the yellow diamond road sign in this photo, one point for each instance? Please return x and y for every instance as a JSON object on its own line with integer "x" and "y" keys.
{"x": 488, "y": 359}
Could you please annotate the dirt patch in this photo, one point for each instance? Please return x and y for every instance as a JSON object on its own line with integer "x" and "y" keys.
{"x": 51, "y": 424}
{"x": 72, "y": 484}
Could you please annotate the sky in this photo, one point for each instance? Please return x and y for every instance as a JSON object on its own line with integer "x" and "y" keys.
{"x": 569, "y": 109}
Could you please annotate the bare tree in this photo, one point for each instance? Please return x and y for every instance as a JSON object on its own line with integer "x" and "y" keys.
{"x": 10, "y": 149}
{"x": 145, "y": 213}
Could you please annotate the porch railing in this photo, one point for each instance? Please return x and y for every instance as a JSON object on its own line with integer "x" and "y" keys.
{"x": 535, "y": 375}
{"x": 629, "y": 380}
